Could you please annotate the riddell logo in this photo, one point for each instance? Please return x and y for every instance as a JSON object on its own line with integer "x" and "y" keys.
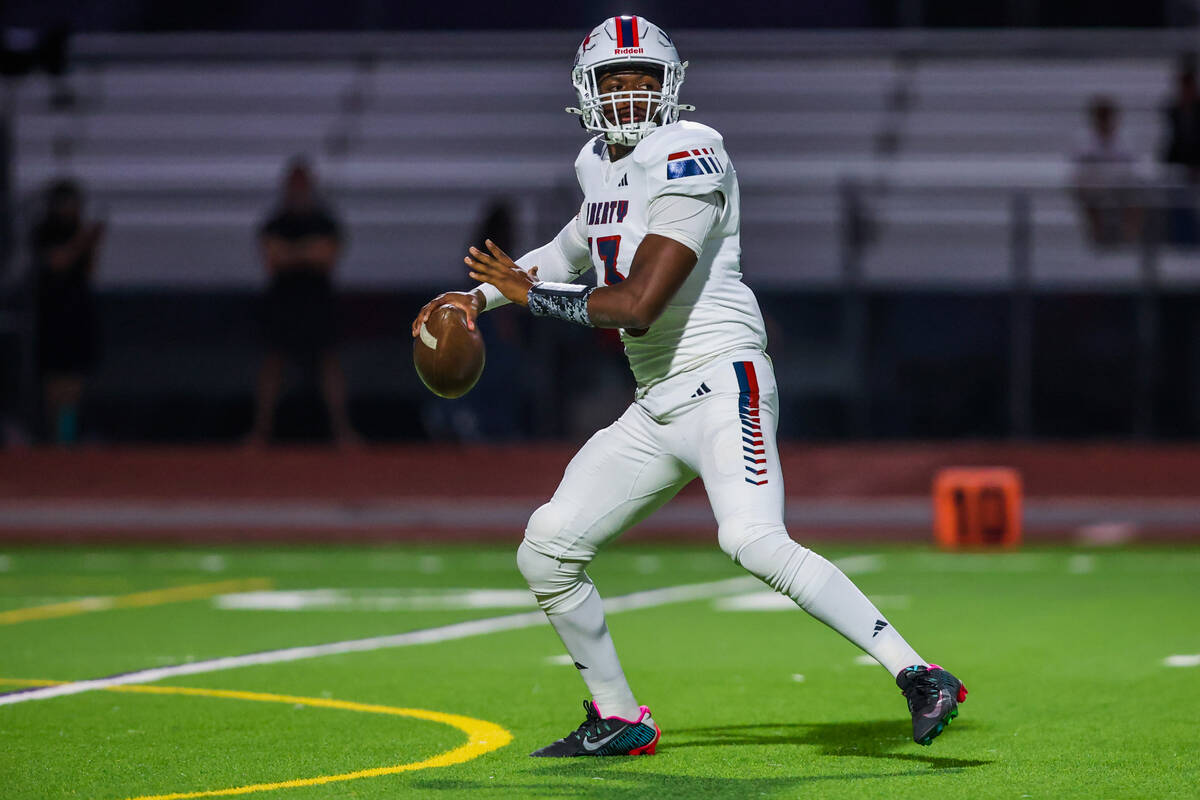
{"x": 629, "y": 51}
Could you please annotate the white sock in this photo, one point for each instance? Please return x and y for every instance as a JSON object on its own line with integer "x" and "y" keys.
{"x": 575, "y": 609}
{"x": 824, "y": 591}
{"x": 585, "y": 634}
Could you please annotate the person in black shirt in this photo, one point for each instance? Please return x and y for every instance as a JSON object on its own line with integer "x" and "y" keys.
{"x": 64, "y": 251}
{"x": 1183, "y": 150}
{"x": 300, "y": 244}
{"x": 1183, "y": 124}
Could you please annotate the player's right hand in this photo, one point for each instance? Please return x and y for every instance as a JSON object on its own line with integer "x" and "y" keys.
{"x": 470, "y": 303}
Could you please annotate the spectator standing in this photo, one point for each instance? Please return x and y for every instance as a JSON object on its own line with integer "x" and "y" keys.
{"x": 1183, "y": 150}
{"x": 64, "y": 249}
{"x": 300, "y": 243}
{"x": 1104, "y": 179}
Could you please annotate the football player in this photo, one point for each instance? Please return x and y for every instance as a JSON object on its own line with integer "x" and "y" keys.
{"x": 660, "y": 225}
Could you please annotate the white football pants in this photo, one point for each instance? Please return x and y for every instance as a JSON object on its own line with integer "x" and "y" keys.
{"x": 718, "y": 423}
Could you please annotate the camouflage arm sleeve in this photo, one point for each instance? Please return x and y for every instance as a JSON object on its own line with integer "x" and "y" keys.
{"x": 563, "y": 300}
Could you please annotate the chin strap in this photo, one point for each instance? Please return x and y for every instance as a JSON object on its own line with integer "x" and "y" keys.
{"x": 579, "y": 113}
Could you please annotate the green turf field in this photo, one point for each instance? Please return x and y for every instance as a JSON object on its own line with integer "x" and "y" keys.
{"x": 1063, "y": 651}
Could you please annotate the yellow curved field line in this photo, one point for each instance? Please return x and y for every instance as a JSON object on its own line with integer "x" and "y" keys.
{"x": 155, "y": 597}
{"x": 482, "y": 736}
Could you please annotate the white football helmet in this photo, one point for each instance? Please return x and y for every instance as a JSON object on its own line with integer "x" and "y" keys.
{"x": 628, "y": 41}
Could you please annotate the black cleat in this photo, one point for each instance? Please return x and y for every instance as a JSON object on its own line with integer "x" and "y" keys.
{"x": 933, "y": 696}
{"x": 606, "y": 736}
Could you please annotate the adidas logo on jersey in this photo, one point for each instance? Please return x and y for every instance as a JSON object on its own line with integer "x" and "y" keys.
{"x": 879, "y": 625}
{"x": 624, "y": 181}
{"x": 703, "y": 390}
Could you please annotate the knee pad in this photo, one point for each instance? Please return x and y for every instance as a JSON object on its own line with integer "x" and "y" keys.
{"x": 539, "y": 569}
{"x": 735, "y": 537}
{"x": 559, "y": 586}
{"x": 786, "y": 566}
{"x": 544, "y": 524}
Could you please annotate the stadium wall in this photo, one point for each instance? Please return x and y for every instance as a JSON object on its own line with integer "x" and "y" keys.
{"x": 1094, "y": 493}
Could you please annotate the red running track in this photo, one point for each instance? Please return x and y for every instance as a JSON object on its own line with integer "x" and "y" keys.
{"x": 848, "y": 492}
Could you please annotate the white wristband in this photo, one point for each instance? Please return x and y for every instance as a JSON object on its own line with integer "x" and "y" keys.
{"x": 492, "y": 298}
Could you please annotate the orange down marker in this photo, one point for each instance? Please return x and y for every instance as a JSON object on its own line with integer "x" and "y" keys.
{"x": 976, "y": 507}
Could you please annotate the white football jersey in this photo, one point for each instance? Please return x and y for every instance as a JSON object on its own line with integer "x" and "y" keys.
{"x": 713, "y": 313}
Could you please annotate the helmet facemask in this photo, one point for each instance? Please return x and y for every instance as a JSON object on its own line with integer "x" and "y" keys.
{"x": 661, "y": 107}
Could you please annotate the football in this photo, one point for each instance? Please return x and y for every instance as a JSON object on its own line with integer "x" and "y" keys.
{"x": 448, "y": 356}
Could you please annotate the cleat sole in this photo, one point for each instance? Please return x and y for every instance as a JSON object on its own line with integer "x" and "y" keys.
{"x": 941, "y": 726}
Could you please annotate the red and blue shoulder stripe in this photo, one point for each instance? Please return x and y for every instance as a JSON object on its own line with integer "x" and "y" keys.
{"x": 696, "y": 161}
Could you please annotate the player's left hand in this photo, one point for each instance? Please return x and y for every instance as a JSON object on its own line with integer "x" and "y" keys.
{"x": 496, "y": 268}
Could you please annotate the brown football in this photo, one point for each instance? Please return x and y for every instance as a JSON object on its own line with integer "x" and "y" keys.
{"x": 448, "y": 356}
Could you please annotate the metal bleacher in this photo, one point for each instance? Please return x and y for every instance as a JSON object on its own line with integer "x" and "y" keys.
{"x": 181, "y": 143}
{"x": 866, "y": 161}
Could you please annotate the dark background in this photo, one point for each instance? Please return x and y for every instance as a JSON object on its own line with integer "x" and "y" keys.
{"x": 937, "y": 363}
{"x": 367, "y": 15}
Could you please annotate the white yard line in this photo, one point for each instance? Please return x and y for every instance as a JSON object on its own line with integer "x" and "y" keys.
{"x": 1081, "y": 564}
{"x": 445, "y": 633}
{"x": 375, "y": 600}
{"x": 1182, "y": 660}
{"x": 860, "y": 564}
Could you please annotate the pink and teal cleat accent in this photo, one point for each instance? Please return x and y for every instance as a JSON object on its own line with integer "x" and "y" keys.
{"x": 933, "y": 696}
{"x": 606, "y": 736}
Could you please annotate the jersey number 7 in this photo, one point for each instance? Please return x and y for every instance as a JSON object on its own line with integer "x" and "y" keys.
{"x": 608, "y": 247}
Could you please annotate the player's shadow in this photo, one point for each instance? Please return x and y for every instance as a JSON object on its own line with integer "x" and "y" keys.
{"x": 878, "y": 739}
{"x": 613, "y": 779}
{"x": 623, "y": 778}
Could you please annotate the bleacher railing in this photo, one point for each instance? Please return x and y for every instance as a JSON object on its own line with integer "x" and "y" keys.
{"x": 1157, "y": 255}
